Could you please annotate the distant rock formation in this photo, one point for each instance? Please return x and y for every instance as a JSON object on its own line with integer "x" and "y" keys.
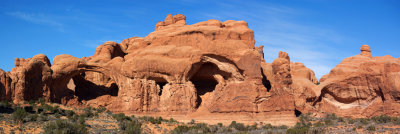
{"x": 208, "y": 69}
{"x": 361, "y": 86}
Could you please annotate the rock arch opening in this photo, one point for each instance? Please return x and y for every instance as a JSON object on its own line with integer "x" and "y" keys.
{"x": 90, "y": 85}
{"x": 265, "y": 81}
{"x": 160, "y": 82}
{"x": 297, "y": 113}
{"x": 206, "y": 78}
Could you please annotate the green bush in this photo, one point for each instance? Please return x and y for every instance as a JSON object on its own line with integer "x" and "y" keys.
{"x": 130, "y": 126}
{"x": 328, "y": 122}
{"x": 101, "y": 109}
{"x": 19, "y": 115}
{"x": 43, "y": 117}
{"x": 33, "y": 117}
{"x": 363, "y": 121}
{"x": 172, "y": 120}
{"x": 120, "y": 117}
{"x": 48, "y": 108}
{"x": 350, "y": 121}
{"x": 298, "y": 130}
{"x": 181, "y": 129}
{"x": 331, "y": 116}
{"x": 69, "y": 113}
{"x": 318, "y": 124}
{"x": 64, "y": 127}
{"x": 202, "y": 127}
{"x": 152, "y": 120}
{"x": 396, "y": 121}
{"x": 41, "y": 101}
{"x": 57, "y": 115}
{"x": 340, "y": 119}
{"x": 32, "y": 102}
{"x": 371, "y": 128}
{"x": 81, "y": 119}
{"x": 73, "y": 118}
{"x": 5, "y": 104}
{"x": 238, "y": 126}
{"x": 382, "y": 119}
{"x": 88, "y": 112}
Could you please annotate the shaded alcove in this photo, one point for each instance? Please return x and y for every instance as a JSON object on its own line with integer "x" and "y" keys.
{"x": 204, "y": 80}
{"x": 297, "y": 112}
{"x": 160, "y": 82}
{"x": 87, "y": 90}
{"x": 265, "y": 81}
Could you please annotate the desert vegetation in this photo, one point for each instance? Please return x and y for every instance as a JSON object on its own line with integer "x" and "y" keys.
{"x": 40, "y": 117}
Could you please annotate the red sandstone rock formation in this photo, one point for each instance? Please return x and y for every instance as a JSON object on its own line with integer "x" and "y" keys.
{"x": 206, "y": 70}
{"x": 361, "y": 86}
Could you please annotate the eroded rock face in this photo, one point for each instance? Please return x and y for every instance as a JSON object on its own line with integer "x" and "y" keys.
{"x": 361, "y": 86}
{"x": 211, "y": 68}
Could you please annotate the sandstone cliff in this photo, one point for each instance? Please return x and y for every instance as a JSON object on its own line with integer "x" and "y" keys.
{"x": 206, "y": 70}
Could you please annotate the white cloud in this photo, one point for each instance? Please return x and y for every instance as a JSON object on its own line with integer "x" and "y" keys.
{"x": 38, "y": 19}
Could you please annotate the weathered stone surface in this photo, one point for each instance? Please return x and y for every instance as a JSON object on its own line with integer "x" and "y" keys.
{"x": 206, "y": 71}
{"x": 361, "y": 86}
{"x": 31, "y": 78}
{"x": 5, "y": 86}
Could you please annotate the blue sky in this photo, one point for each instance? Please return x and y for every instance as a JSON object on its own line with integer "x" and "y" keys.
{"x": 317, "y": 33}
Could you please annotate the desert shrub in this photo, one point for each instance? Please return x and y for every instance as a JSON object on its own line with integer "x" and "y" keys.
{"x": 316, "y": 131}
{"x": 73, "y": 118}
{"x": 360, "y": 127}
{"x": 152, "y": 120}
{"x": 252, "y": 127}
{"x": 108, "y": 112}
{"x": 328, "y": 122}
{"x": 238, "y": 126}
{"x": 220, "y": 125}
{"x": 340, "y": 119}
{"x": 64, "y": 127}
{"x": 33, "y": 117}
{"x": 88, "y": 112}
{"x": 318, "y": 124}
{"x": 331, "y": 116}
{"x": 81, "y": 119}
{"x": 101, "y": 109}
{"x": 350, "y": 121}
{"x": 41, "y": 101}
{"x": 282, "y": 127}
{"x": 48, "y": 108}
{"x": 363, "y": 121}
{"x": 32, "y": 102}
{"x": 196, "y": 128}
{"x": 69, "y": 113}
{"x": 19, "y": 115}
{"x": 43, "y": 117}
{"x": 130, "y": 126}
{"x": 396, "y": 121}
{"x": 298, "y": 130}
{"x": 192, "y": 121}
{"x": 156, "y": 120}
{"x": 202, "y": 127}
{"x": 382, "y": 119}
{"x": 5, "y": 103}
{"x": 120, "y": 117}
{"x": 181, "y": 129}
{"x": 371, "y": 128}
{"x": 57, "y": 115}
{"x": 172, "y": 120}
{"x": 267, "y": 126}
